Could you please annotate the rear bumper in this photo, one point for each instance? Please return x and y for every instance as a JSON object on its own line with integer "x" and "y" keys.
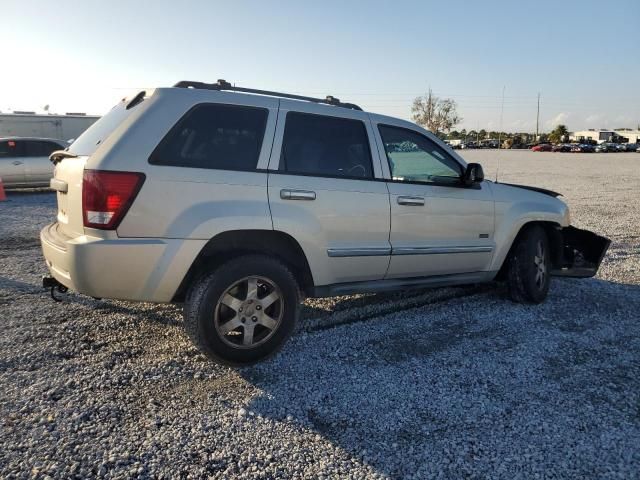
{"x": 139, "y": 269}
{"x": 582, "y": 253}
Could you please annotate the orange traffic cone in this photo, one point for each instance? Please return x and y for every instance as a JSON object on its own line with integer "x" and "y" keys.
{"x": 3, "y": 196}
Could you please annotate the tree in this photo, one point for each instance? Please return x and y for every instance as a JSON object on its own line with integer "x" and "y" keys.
{"x": 454, "y": 135}
{"x": 435, "y": 114}
{"x": 559, "y": 134}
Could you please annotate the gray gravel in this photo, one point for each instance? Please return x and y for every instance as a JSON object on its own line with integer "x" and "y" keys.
{"x": 448, "y": 383}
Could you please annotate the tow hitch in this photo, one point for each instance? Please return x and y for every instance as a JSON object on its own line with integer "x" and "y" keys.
{"x": 54, "y": 286}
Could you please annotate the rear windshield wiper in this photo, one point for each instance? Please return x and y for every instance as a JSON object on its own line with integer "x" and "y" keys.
{"x": 58, "y": 155}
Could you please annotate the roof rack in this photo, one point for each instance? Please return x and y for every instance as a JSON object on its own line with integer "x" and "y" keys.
{"x": 224, "y": 85}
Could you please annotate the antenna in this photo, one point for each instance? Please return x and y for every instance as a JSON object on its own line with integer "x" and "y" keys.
{"x": 537, "y": 118}
{"x": 500, "y": 133}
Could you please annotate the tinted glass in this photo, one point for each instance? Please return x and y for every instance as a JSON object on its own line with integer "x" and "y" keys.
{"x": 226, "y": 137}
{"x": 327, "y": 146}
{"x": 414, "y": 158}
{"x": 40, "y": 148}
{"x": 11, "y": 148}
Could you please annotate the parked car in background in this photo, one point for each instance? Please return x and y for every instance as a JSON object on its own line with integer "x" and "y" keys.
{"x": 24, "y": 161}
{"x": 543, "y": 147}
{"x": 629, "y": 147}
{"x": 582, "y": 148}
{"x": 607, "y": 148}
{"x": 562, "y": 147}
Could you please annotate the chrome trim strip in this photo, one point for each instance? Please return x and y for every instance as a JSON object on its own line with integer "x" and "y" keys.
{"x": 359, "y": 252}
{"x": 439, "y": 250}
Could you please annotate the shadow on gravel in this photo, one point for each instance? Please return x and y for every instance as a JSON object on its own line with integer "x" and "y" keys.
{"x": 472, "y": 386}
{"x": 10, "y": 287}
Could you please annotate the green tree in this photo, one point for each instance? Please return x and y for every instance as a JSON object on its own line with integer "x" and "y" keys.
{"x": 559, "y": 134}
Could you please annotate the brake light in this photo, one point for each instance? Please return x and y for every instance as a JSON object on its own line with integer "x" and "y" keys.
{"x": 107, "y": 196}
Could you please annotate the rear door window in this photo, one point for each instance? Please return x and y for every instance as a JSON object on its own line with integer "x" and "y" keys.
{"x": 214, "y": 136}
{"x": 11, "y": 148}
{"x": 40, "y": 148}
{"x": 325, "y": 146}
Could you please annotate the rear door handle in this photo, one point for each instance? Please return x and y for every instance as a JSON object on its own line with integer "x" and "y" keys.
{"x": 17, "y": 162}
{"x": 297, "y": 195}
{"x": 415, "y": 201}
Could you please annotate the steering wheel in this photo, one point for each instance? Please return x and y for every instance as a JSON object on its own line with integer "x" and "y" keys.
{"x": 360, "y": 167}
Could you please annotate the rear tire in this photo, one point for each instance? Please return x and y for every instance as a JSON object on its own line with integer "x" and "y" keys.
{"x": 529, "y": 266}
{"x": 244, "y": 311}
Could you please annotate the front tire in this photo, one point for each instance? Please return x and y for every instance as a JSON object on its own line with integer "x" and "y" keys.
{"x": 244, "y": 311}
{"x": 529, "y": 266}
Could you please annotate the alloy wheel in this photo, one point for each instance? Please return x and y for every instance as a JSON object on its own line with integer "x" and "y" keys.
{"x": 541, "y": 265}
{"x": 249, "y": 312}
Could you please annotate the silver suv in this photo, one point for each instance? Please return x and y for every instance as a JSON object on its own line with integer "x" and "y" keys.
{"x": 24, "y": 161}
{"x": 241, "y": 202}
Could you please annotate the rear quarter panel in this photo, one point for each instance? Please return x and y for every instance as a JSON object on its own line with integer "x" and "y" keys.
{"x": 188, "y": 203}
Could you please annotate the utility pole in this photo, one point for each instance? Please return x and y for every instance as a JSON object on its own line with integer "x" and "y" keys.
{"x": 501, "y": 115}
{"x": 537, "y": 117}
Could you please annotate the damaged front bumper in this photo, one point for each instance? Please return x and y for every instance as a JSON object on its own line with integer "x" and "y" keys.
{"x": 581, "y": 253}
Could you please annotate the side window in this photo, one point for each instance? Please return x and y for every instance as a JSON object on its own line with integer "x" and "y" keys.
{"x": 325, "y": 146}
{"x": 214, "y": 136}
{"x": 414, "y": 158}
{"x": 40, "y": 148}
{"x": 11, "y": 149}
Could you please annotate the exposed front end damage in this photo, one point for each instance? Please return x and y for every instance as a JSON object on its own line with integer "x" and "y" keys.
{"x": 581, "y": 253}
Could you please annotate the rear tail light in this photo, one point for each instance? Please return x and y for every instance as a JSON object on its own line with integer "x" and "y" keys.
{"x": 107, "y": 196}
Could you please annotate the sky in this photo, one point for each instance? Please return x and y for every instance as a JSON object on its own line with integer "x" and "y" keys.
{"x": 583, "y": 57}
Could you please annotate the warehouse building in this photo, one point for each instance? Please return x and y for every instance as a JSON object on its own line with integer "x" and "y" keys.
{"x": 29, "y": 124}
{"x": 601, "y": 136}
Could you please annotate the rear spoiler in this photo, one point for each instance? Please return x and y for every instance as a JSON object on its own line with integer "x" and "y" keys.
{"x": 59, "y": 155}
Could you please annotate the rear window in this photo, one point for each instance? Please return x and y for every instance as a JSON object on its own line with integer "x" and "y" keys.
{"x": 213, "y": 136}
{"x": 88, "y": 142}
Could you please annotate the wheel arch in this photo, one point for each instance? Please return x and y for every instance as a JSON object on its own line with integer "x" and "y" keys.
{"x": 234, "y": 243}
{"x": 553, "y": 231}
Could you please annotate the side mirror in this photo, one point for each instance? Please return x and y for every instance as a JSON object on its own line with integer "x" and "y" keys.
{"x": 473, "y": 174}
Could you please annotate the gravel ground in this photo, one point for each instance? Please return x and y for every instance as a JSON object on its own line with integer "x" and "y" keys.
{"x": 448, "y": 383}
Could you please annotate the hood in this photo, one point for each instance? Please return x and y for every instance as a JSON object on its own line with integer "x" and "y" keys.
{"x": 544, "y": 191}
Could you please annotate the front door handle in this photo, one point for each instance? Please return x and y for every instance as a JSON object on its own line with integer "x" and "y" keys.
{"x": 415, "y": 201}
{"x": 297, "y": 195}
{"x": 17, "y": 162}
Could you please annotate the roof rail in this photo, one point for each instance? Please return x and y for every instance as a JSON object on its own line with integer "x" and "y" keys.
{"x": 224, "y": 85}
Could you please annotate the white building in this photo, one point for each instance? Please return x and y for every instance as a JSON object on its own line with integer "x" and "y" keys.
{"x": 601, "y": 136}
{"x": 29, "y": 124}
